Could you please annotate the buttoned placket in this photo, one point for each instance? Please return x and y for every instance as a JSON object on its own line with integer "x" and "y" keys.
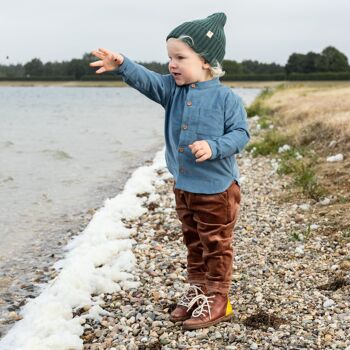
{"x": 184, "y": 128}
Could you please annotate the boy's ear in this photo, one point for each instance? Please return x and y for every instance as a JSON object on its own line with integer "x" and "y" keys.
{"x": 206, "y": 65}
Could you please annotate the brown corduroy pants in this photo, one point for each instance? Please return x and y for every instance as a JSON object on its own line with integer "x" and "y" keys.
{"x": 207, "y": 226}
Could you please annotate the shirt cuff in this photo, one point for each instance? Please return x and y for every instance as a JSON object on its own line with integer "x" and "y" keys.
{"x": 120, "y": 70}
{"x": 213, "y": 148}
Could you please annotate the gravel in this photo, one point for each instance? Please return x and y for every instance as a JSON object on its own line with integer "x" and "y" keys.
{"x": 286, "y": 293}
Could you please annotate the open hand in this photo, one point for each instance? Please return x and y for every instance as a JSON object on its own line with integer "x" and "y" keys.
{"x": 201, "y": 150}
{"x": 108, "y": 60}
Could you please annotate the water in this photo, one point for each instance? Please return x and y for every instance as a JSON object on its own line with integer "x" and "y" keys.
{"x": 58, "y": 146}
{"x": 64, "y": 151}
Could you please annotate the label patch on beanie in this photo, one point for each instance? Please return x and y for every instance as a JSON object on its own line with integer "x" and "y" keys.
{"x": 210, "y": 34}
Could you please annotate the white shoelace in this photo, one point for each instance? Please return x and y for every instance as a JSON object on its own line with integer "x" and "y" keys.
{"x": 203, "y": 305}
{"x": 191, "y": 292}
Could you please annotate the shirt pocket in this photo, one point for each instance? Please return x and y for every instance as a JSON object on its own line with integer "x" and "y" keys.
{"x": 210, "y": 122}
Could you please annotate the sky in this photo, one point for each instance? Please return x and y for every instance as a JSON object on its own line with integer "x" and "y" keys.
{"x": 264, "y": 30}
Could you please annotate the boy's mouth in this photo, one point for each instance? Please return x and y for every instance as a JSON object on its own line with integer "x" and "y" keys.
{"x": 176, "y": 74}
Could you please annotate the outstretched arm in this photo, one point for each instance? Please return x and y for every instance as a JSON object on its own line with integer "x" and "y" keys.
{"x": 155, "y": 86}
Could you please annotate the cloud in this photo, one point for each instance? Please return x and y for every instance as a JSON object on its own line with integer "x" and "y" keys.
{"x": 268, "y": 31}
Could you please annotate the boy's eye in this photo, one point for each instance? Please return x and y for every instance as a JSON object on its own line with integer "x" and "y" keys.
{"x": 178, "y": 57}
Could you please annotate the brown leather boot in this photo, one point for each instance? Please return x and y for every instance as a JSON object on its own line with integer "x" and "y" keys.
{"x": 182, "y": 311}
{"x": 212, "y": 309}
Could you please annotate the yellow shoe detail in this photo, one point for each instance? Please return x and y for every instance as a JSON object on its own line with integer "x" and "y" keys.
{"x": 228, "y": 308}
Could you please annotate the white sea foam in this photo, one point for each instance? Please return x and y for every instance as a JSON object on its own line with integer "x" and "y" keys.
{"x": 99, "y": 260}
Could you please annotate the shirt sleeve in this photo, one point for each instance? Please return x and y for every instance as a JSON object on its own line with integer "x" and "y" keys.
{"x": 154, "y": 85}
{"x": 236, "y": 134}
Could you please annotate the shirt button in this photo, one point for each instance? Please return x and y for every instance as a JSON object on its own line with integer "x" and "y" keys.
{"x": 189, "y": 103}
{"x": 185, "y": 126}
{"x": 193, "y": 85}
{"x": 181, "y": 149}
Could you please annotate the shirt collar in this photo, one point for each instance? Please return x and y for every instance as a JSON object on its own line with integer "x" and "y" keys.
{"x": 207, "y": 83}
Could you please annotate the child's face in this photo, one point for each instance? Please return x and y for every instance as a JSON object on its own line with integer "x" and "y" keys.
{"x": 185, "y": 65}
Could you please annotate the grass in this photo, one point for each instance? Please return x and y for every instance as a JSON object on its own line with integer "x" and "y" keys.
{"x": 258, "y": 107}
{"x": 346, "y": 234}
{"x": 300, "y": 164}
{"x": 306, "y": 178}
{"x": 313, "y": 119}
{"x": 296, "y": 162}
{"x": 264, "y": 122}
{"x": 268, "y": 145}
{"x": 301, "y": 237}
{"x": 312, "y": 113}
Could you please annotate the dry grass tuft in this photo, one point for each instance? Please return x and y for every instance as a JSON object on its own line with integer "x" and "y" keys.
{"x": 314, "y": 114}
{"x": 310, "y": 116}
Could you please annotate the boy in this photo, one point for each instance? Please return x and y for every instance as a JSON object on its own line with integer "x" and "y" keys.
{"x": 205, "y": 126}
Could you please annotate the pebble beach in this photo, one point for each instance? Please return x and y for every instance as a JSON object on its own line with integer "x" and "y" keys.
{"x": 286, "y": 293}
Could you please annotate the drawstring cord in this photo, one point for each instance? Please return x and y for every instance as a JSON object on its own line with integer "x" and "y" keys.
{"x": 203, "y": 305}
{"x": 191, "y": 292}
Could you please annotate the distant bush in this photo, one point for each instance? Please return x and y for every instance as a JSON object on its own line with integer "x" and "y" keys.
{"x": 58, "y": 78}
{"x": 254, "y": 77}
{"x": 319, "y": 76}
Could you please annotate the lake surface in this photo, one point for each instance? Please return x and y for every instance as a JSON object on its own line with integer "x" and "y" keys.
{"x": 64, "y": 151}
{"x": 60, "y": 146}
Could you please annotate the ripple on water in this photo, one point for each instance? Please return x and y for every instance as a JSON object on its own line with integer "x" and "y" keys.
{"x": 58, "y": 154}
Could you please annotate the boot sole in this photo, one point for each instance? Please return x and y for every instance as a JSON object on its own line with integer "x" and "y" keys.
{"x": 210, "y": 323}
{"x": 180, "y": 319}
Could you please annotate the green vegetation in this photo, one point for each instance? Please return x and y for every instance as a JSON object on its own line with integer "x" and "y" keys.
{"x": 300, "y": 165}
{"x": 264, "y": 122}
{"x": 329, "y": 60}
{"x": 301, "y": 236}
{"x": 346, "y": 233}
{"x": 331, "y": 64}
{"x": 295, "y": 236}
{"x": 296, "y": 162}
{"x": 258, "y": 107}
{"x": 269, "y": 145}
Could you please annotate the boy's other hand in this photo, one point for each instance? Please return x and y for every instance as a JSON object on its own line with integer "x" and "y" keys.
{"x": 201, "y": 150}
{"x": 108, "y": 60}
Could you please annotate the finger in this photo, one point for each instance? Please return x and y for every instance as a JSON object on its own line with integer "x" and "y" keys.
{"x": 194, "y": 148}
{"x": 105, "y": 51}
{"x": 96, "y": 64}
{"x": 101, "y": 70}
{"x": 97, "y": 54}
{"x": 199, "y": 153}
{"x": 202, "y": 159}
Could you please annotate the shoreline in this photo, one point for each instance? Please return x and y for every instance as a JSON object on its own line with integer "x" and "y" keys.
{"x": 281, "y": 290}
{"x": 97, "y": 261}
{"x": 111, "y": 84}
{"x": 35, "y": 263}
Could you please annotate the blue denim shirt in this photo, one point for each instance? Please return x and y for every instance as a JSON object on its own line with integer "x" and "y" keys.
{"x": 202, "y": 111}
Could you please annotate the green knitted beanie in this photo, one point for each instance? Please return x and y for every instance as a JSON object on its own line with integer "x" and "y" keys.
{"x": 207, "y": 34}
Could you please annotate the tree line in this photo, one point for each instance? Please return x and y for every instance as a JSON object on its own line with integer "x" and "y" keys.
{"x": 330, "y": 64}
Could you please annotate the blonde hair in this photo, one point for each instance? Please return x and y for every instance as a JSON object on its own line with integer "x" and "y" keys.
{"x": 216, "y": 69}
